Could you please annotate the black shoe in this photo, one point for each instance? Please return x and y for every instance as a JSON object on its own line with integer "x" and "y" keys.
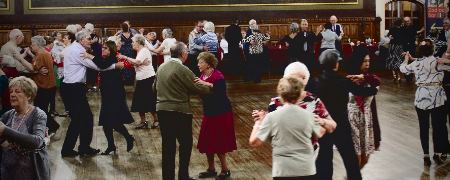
{"x": 70, "y": 153}
{"x": 208, "y": 173}
{"x": 142, "y": 125}
{"x": 439, "y": 159}
{"x": 109, "y": 150}
{"x": 426, "y": 161}
{"x": 224, "y": 175}
{"x": 130, "y": 143}
{"x": 89, "y": 152}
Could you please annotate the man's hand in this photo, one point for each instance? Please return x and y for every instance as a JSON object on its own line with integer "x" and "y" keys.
{"x": 43, "y": 71}
{"x": 258, "y": 115}
{"x": 356, "y": 78}
{"x": 120, "y": 65}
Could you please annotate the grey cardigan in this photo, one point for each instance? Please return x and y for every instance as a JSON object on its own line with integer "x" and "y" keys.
{"x": 32, "y": 140}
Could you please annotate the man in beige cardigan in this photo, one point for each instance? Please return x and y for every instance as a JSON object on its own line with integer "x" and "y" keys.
{"x": 174, "y": 85}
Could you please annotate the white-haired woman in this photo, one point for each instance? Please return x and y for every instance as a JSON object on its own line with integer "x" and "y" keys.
{"x": 168, "y": 42}
{"x": 144, "y": 99}
{"x": 209, "y": 39}
{"x": 22, "y": 133}
{"x": 289, "y": 129}
{"x": 46, "y": 82}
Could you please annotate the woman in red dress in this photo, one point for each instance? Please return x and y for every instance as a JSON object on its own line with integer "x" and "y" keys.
{"x": 217, "y": 130}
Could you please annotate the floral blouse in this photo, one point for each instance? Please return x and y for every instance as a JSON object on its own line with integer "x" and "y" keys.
{"x": 429, "y": 75}
{"x": 258, "y": 38}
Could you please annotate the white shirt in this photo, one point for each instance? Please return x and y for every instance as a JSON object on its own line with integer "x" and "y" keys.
{"x": 75, "y": 65}
{"x": 429, "y": 75}
{"x": 167, "y": 43}
{"x": 151, "y": 46}
{"x": 144, "y": 71}
{"x": 224, "y": 46}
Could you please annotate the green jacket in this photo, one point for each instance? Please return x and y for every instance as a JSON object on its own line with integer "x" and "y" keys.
{"x": 174, "y": 84}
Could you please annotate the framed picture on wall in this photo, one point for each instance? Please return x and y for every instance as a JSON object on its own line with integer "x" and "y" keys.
{"x": 132, "y": 6}
{"x": 6, "y": 7}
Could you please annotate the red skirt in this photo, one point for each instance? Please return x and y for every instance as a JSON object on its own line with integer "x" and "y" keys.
{"x": 217, "y": 134}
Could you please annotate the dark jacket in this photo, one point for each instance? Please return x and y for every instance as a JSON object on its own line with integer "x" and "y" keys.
{"x": 114, "y": 109}
{"x": 333, "y": 90}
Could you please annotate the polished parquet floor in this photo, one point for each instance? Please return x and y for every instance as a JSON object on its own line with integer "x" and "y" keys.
{"x": 400, "y": 155}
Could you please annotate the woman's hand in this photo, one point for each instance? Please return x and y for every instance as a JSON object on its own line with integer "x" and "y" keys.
{"x": 120, "y": 56}
{"x": 2, "y": 128}
{"x": 258, "y": 115}
{"x": 356, "y": 78}
{"x": 319, "y": 120}
{"x": 201, "y": 82}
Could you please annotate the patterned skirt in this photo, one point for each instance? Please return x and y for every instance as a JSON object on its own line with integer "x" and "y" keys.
{"x": 395, "y": 58}
{"x": 362, "y": 127}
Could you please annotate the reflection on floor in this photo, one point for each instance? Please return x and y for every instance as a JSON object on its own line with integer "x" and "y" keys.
{"x": 400, "y": 156}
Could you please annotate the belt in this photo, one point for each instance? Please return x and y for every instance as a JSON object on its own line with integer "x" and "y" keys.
{"x": 429, "y": 84}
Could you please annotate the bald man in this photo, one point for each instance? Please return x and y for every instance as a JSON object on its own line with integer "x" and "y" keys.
{"x": 338, "y": 29}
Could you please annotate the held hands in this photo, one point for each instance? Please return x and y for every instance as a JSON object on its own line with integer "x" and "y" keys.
{"x": 119, "y": 65}
{"x": 201, "y": 82}
{"x": 443, "y": 61}
{"x": 319, "y": 120}
{"x": 121, "y": 56}
{"x": 356, "y": 78}
{"x": 258, "y": 115}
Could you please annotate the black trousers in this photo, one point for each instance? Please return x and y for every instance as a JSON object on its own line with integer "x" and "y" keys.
{"x": 193, "y": 64}
{"x": 342, "y": 138}
{"x": 439, "y": 124}
{"x": 120, "y": 128}
{"x": 447, "y": 103}
{"x": 81, "y": 123}
{"x": 255, "y": 67}
{"x": 175, "y": 126}
{"x": 43, "y": 100}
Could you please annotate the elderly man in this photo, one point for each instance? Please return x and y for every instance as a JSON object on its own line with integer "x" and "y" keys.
{"x": 73, "y": 90}
{"x": 11, "y": 56}
{"x": 339, "y": 30}
{"x": 441, "y": 44}
{"x": 234, "y": 37}
{"x": 195, "y": 49}
{"x": 174, "y": 85}
{"x": 336, "y": 102}
{"x": 307, "y": 40}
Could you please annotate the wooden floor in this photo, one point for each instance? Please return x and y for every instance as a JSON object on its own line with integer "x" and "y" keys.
{"x": 400, "y": 155}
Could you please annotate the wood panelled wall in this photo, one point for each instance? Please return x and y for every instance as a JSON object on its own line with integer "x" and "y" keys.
{"x": 354, "y": 28}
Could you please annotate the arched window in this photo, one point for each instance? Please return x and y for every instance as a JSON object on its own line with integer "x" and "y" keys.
{"x": 400, "y": 9}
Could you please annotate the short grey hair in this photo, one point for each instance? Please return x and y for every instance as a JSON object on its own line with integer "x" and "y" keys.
{"x": 72, "y": 28}
{"x": 89, "y": 27}
{"x": 167, "y": 33}
{"x": 177, "y": 49}
{"x": 14, "y": 34}
{"x": 38, "y": 40}
{"x": 209, "y": 26}
{"x": 296, "y": 67}
{"x": 252, "y": 24}
{"x": 82, "y": 34}
{"x": 27, "y": 85}
{"x": 139, "y": 38}
{"x": 294, "y": 27}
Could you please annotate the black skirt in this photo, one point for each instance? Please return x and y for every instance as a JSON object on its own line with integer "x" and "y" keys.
{"x": 144, "y": 99}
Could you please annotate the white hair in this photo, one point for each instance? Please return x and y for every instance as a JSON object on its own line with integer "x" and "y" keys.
{"x": 209, "y": 27}
{"x": 139, "y": 38}
{"x": 72, "y": 28}
{"x": 296, "y": 67}
{"x": 14, "y": 34}
{"x": 252, "y": 24}
{"x": 39, "y": 41}
{"x": 115, "y": 39}
{"x": 89, "y": 27}
{"x": 82, "y": 34}
{"x": 79, "y": 27}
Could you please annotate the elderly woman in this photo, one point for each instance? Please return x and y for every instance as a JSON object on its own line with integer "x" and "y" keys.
{"x": 395, "y": 59}
{"x": 255, "y": 53}
{"x": 292, "y": 41}
{"x": 15, "y": 59}
{"x": 22, "y": 133}
{"x": 114, "y": 112}
{"x": 430, "y": 100}
{"x": 290, "y": 129}
{"x": 209, "y": 39}
{"x": 144, "y": 99}
{"x": 217, "y": 131}
{"x": 329, "y": 38}
{"x": 168, "y": 42}
{"x": 46, "y": 82}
